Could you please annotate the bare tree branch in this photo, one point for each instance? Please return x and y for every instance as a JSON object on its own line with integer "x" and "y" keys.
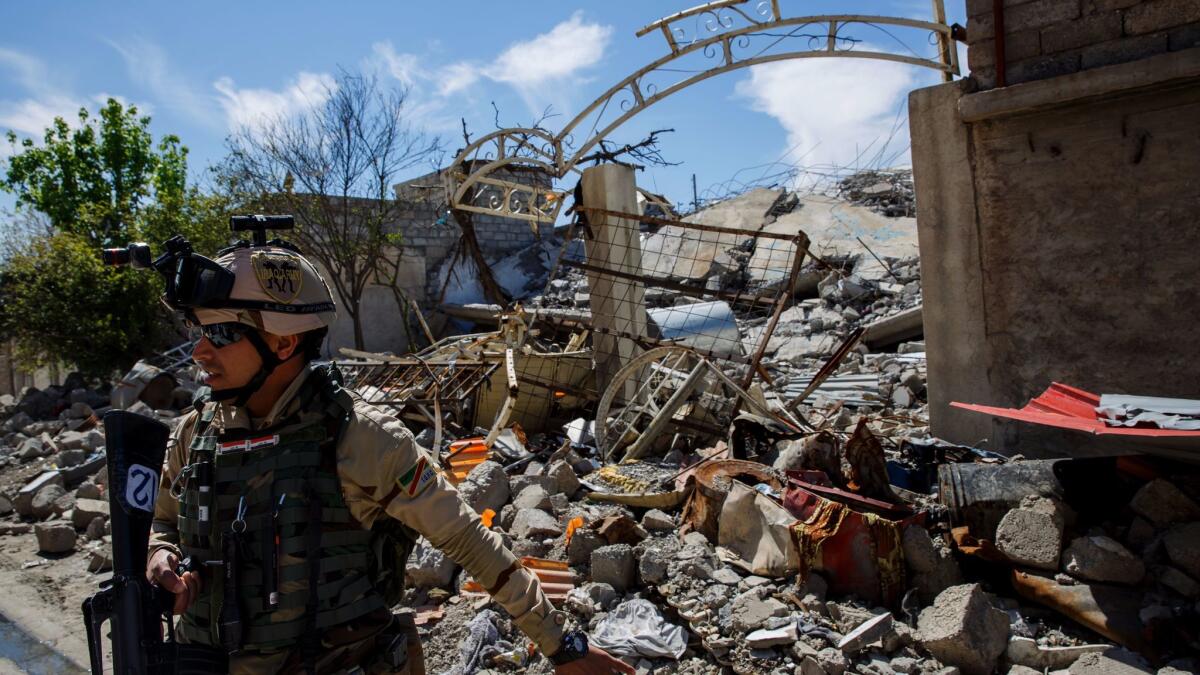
{"x": 335, "y": 168}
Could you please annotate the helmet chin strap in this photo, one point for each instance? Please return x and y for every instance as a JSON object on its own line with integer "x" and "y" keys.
{"x": 241, "y": 395}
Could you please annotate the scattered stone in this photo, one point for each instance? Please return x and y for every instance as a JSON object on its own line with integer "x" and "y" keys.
{"x": 1032, "y": 534}
{"x": 1023, "y": 670}
{"x": 19, "y": 421}
{"x": 1160, "y": 502}
{"x": 6, "y": 505}
{"x": 652, "y": 566}
{"x": 42, "y": 506}
{"x": 519, "y": 483}
{"x": 833, "y": 661}
{"x": 88, "y": 490}
{"x": 1114, "y": 661}
{"x": 905, "y": 664}
{"x": 1099, "y": 558}
{"x": 68, "y": 458}
{"x": 772, "y": 637}
{"x": 55, "y": 537}
{"x": 930, "y": 562}
{"x": 99, "y": 561}
{"x": 71, "y": 440}
{"x": 1027, "y": 652}
{"x": 750, "y": 611}
{"x": 486, "y": 487}
{"x": 962, "y": 629}
{"x": 535, "y": 524}
{"x": 565, "y": 480}
{"x": 613, "y": 565}
{"x": 87, "y": 510}
{"x": 31, "y": 449}
{"x": 532, "y": 497}
{"x": 64, "y": 504}
{"x": 95, "y": 529}
{"x": 1183, "y": 547}
{"x": 429, "y": 568}
{"x": 865, "y": 633}
{"x": 12, "y": 529}
{"x": 1140, "y": 533}
{"x": 657, "y": 521}
{"x": 724, "y": 575}
{"x": 583, "y": 542}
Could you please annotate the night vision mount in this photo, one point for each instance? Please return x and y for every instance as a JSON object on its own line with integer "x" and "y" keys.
{"x": 193, "y": 280}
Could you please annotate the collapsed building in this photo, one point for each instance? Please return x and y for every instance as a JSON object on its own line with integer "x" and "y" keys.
{"x": 726, "y": 442}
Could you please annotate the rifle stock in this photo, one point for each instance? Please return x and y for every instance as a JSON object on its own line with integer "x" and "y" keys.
{"x": 135, "y": 446}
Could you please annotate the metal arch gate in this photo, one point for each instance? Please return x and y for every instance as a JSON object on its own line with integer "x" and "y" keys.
{"x": 723, "y": 37}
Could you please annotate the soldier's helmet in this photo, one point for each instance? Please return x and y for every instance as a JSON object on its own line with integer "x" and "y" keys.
{"x": 275, "y": 289}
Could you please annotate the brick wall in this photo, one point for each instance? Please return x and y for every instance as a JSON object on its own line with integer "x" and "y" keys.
{"x": 1048, "y": 38}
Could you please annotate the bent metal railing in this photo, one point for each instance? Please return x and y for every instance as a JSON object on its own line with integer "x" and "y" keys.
{"x": 702, "y": 42}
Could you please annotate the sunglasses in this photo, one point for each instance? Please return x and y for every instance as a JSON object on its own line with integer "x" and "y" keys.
{"x": 220, "y": 334}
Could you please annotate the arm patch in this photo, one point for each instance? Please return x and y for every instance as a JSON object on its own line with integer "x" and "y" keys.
{"x": 414, "y": 481}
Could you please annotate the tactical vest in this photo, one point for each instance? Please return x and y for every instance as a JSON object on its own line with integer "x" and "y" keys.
{"x": 271, "y": 501}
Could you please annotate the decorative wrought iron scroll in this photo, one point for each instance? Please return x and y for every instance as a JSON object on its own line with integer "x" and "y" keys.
{"x": 702, "y": 42}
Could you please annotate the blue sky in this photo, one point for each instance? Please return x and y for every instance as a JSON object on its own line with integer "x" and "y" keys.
{"x": 203, "y": 69}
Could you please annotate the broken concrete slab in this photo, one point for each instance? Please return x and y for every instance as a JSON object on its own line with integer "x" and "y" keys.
{"x": 55, "y": 537}
{"x": 86, "y": 510}
{"x": 1183, "y": 547}
{"x": 964, "y": 630}
{"x": 869, "y": 631}
{"x": 751, "y": 610}
{"x": 1162, "y": 503}
{"x": 931, "y": 565}
{"x": 566, "y": 482}
{"x": 765, "y": 638}
{"x": 1027, "y": 652}
{"x": 43, "y": 504}
{"x": 535, "y": 524}
{"x": 614, "y": 565}
{"x": 1031, "y": 534}
{"x": 1099, "y": 558}
{"x": 485, "y": 487}
{"x": 532, "y": 497}
{"x": 1114, "y": 661}
{"x": 658, "y": 521}
{"x": 428, "y": 567}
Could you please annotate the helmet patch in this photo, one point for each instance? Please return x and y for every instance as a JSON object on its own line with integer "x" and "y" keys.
{"x": 278, "y": 275}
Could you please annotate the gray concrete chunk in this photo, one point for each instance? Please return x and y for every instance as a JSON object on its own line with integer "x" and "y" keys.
{"x": 1099, "y": 558}
{"x": 1031, "y": 535}
{"x": 1160, "y": 502}
{"x": 55, "y": 537}
{"x": 614, "y": 565}
{"x": 964, "y": 630}
{"x": 535, "y": 524}
{"x": 1183, "y": 547}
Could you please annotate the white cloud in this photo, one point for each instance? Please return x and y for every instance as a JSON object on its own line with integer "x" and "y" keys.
{"x": 456, "y": 77}
{"x": 148, "y": 66}
{"x": 31, "y": 117}
{"x": 403, "y": 67}
{"x": 538, "y": 68}
{"x": 253, "y": 107}
{"x": 836, "y": 112}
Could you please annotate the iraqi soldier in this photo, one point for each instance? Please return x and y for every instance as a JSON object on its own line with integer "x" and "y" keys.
{"x": 281, "y": 482}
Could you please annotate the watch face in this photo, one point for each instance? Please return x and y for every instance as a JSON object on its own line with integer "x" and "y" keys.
{"x": 580, "y": 644}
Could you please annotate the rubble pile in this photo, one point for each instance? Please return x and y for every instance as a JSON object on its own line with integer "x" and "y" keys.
{"x": 52, "y": 477}
{"x": 890, "y": 193}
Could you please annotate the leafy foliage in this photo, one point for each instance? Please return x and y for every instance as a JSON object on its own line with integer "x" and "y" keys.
{"x": 104, "y": 182}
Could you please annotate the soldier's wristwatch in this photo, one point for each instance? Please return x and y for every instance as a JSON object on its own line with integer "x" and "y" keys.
{"x": 574, "y": 646}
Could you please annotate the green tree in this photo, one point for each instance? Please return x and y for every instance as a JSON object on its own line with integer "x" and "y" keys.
{"x": 104, "y": 182}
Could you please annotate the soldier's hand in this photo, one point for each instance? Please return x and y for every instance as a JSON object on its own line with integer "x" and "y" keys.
{"x": 160, "y": 569}
{"x": 597, "y": 662}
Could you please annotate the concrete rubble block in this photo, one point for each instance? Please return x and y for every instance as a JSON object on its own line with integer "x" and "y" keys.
{"x": 24, "y": 501}
{"x": 429, "y": 568}
{"x": 658, "y": 521}
{"x": 64, "y": 504}
{"x": 55, "y": 537}
{"x": 30, "y": 449}
{"x": 1023, "y": 670}
{"x": 535, "y": 524}
{"x": 1099, "y": 558}
{"x": 583, "y": 542}
{"x": 652, "y": 566}
{"x": 68, "y": 458}
{"x": 964, "y": 630}
{"x": 751, "y": 610}
{"x": 833, "y": 661}
{"x": 765, "y": 638}
{"x": 726, "y": 576}
{"x": 1031, "y": 535}
{"x": 905, "y": 664}
{"x": 867, "y": 632}
{"x": 1027, "y": 652}
{"x": 88, "y": 490}
{"x": 88, "y": 509}
{"x": 614, "y": 565}
{"x": 95, "y": 529}
{"x": 486, "y": 487}
{"x": 42, "y": 506}
{"x": 93, "y": 440}
{"x": 532, "y": 497}
{"x": 519, "y": 483}
{"x": 6, "y": 505}
{"x": 70, "y": 440}
{"x": 1183, "y": 548}
{"x": 1178, "y": 581}
{"x": 931, "y": 565}
{"x": 99, "y": 561}
{"x": 1114, "y": 661}
{"x": 566, "y": 482}
{"x": 1162, "y": 503}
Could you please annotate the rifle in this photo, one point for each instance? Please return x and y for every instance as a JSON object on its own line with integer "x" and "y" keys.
{"x": 136, "y": 446}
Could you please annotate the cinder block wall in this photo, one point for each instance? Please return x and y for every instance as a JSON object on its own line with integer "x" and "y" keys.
{"x": 1047, "y": 38}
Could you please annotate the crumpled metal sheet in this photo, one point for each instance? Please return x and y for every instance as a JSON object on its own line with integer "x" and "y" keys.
{"x": 1165, "y": 413}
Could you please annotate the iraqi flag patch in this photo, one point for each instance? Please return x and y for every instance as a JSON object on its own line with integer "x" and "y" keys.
{"x": 417, "y": 477}
{"x": 248, "y": 444}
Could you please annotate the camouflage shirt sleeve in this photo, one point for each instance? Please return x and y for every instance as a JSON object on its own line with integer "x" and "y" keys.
{"x": 385, "y": 472}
